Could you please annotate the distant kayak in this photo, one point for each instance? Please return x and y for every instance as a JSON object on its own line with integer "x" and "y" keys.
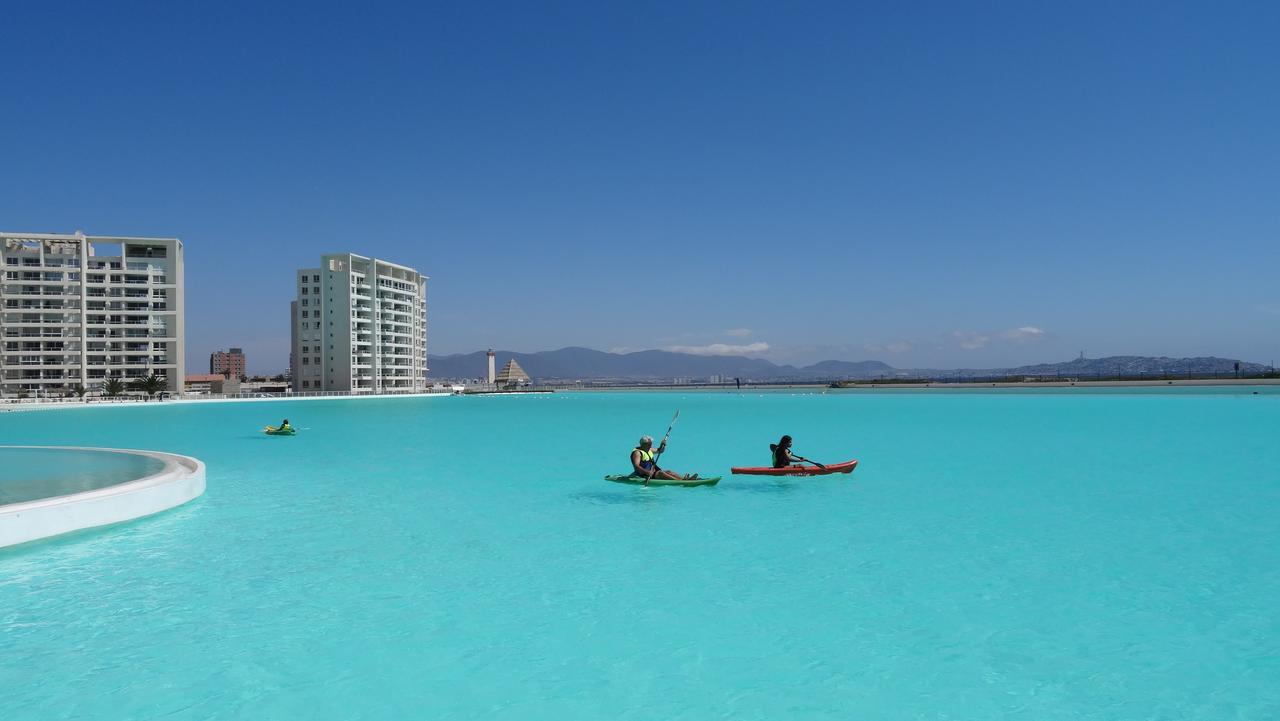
{"x": 273, "y": 431}
{"x": 805, "y": 470}
{"x": 639, "y": 481}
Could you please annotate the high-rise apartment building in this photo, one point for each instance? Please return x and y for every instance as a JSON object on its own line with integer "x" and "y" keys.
{"x": 227, "y": 363}
{"x": 359, "y": 324}
{"x": 78, "y": 309}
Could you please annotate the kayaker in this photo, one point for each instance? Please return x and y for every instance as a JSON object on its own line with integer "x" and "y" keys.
{"x": 284, "y": 426}
{"x": 644, "y": 462}
{"x": 783, "y": 457}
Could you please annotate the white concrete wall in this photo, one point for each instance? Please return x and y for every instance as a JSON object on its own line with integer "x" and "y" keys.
{"x": 181, "y": 479}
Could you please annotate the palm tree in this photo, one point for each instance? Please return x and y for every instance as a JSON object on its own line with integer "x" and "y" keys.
{"x": 80, "y": 390}
{"x": 113, "y": 387}
{"x": 150, "y": 385}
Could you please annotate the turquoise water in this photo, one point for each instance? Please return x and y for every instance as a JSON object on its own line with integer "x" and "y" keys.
{"x": 27, "y": 474}
{"x": 1028, "y": 556}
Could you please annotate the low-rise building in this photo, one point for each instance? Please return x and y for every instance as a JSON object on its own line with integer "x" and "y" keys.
{"x": 199, "y": 382}
{"x": 511, "y": 375}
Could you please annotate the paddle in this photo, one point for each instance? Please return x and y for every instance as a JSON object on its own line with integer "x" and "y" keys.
{"x": 662, "y": 446}
{"x": 806, "y": 460}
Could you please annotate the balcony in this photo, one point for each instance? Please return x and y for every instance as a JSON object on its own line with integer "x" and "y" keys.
{"x": 28, "y": 322}
{"x": 51, "y": 291}
{"x": 145, "y": 267}
{"x": 42, "y": 305}
{"x": 15, "y": 333}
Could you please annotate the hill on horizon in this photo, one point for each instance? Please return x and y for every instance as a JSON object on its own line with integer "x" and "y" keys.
{"x": 576, "y": 363}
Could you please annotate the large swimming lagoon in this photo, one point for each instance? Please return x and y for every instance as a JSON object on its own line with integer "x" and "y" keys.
{"x": 995, "y": 555}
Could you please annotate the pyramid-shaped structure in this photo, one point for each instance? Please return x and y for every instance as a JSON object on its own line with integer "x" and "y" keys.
{"x": 511, "y": 374}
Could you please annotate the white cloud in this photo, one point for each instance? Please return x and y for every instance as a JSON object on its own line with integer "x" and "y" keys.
{"x": 720, "y": 349}
{"x": 969, "y": 340}
{"x": 973, "y": 340}
{"x": 1025, "y": 333}
{"x": 738, "y": 332}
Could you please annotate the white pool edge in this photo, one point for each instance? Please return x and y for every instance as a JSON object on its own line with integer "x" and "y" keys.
{"x": 180, "y": 480}
{"x": 67, "y": 405}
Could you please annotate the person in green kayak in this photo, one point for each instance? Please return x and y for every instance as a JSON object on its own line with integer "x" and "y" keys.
{"x": 644, "y": 462}
{"x": 284, "y": 426}
{"x": 783, "y": 457}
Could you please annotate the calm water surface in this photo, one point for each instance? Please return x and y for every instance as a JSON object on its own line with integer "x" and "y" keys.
{"x": 1031, "y": 556}
{"x": 27, "y": 474}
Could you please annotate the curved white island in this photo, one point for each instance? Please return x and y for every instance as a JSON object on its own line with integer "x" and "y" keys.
{"x": 50, "y": 490}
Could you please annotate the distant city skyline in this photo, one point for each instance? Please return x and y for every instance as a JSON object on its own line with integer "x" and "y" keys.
{"x": 933, "y": 185}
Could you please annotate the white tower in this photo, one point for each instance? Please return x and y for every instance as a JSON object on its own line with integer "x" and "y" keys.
{"x": 493, "y": 372}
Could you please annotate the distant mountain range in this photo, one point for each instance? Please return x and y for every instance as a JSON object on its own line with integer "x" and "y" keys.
{"x": 587, "y": 364}
{"x": 573, "y": 364}
{"x": 1127, "y": 365}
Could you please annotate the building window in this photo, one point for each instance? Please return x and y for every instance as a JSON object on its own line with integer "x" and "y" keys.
{"x": 304, "y": 301}
{"x": 315, "y": 279}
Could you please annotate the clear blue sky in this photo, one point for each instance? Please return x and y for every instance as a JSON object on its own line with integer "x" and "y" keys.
{"x": 929, "y": 184}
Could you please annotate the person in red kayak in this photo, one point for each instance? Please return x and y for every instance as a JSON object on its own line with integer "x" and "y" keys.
{"x": 644, "y": 462}
{"x": 783, "y": 457}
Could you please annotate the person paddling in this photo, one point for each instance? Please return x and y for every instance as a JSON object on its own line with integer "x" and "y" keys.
{"x": 783, "y": 457}
{"x": 644, "y": 462}
{"x": 284, "y": 426}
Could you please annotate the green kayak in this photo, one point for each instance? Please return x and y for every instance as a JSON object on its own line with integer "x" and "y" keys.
{"x": 639, "y": 481}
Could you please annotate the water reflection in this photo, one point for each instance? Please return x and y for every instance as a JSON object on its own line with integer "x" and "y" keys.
{"x": 636, "y": 495}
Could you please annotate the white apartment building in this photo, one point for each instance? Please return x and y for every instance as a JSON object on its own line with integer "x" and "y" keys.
{"x": 359, "y": 324}
{"x": 77, "y": 309}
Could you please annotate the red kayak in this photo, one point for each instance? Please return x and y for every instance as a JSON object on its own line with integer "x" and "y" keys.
{"x": 806, "y": 470}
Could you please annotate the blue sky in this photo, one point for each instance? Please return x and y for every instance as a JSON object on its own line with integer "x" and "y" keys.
{"x": 928, "y": 184}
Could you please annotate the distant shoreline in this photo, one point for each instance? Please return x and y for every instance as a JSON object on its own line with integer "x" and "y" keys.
{"x": 899, "y": 386}
{"x": 751, "y": 387}
{"x": 1078, "y": 384}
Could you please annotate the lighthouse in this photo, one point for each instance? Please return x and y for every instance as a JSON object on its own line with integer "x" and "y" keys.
{"x": 492, "y": 366}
